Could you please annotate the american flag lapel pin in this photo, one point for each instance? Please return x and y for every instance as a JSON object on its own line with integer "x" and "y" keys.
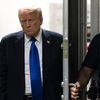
{"x": 48, "y": 41}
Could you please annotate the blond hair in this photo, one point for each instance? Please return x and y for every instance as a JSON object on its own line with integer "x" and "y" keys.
{"x": 31, "y": 9}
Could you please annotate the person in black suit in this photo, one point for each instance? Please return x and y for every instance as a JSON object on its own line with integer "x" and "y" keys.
{"x": 14, "y": 59}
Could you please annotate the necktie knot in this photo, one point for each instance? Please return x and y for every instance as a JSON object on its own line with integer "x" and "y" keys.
{"x": 33, "y": 40}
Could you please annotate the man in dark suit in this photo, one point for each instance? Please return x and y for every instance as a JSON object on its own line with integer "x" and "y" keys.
{"x": 14, "y": 59}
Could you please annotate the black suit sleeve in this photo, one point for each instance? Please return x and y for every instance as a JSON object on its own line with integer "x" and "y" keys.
{"x": 3, "y": 73}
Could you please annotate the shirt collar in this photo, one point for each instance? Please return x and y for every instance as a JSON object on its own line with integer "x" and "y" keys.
{"x": 39, "y": 36}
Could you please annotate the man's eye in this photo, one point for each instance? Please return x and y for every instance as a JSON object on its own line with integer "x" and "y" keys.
{"x": 23, "y": 21}
{"x": 30, "y": 20}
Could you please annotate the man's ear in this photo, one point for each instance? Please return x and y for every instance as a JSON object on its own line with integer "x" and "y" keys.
{"x": 41, "y": 20}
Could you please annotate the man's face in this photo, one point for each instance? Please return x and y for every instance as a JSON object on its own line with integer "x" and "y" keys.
{"x": 30, "y": 23}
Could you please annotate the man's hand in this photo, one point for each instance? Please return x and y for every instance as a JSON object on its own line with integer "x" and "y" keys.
{"x": 74, "y": 90}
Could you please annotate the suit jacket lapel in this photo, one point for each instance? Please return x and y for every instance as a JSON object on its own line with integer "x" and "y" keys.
{"x": 44, "y": 56}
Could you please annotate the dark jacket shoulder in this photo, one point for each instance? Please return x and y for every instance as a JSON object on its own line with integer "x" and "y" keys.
{"x": 15, "y": 35}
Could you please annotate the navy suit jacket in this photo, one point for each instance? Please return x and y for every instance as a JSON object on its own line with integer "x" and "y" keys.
{"x": 12, "y": 77}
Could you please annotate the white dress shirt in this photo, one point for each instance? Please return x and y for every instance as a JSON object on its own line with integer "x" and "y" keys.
{"x": 27, "y": 46}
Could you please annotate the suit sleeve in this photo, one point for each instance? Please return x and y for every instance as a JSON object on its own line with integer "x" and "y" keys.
{"x": 3, "y": 73}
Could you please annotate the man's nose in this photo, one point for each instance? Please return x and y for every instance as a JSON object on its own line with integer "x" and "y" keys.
{"x": 27, "y": 23}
